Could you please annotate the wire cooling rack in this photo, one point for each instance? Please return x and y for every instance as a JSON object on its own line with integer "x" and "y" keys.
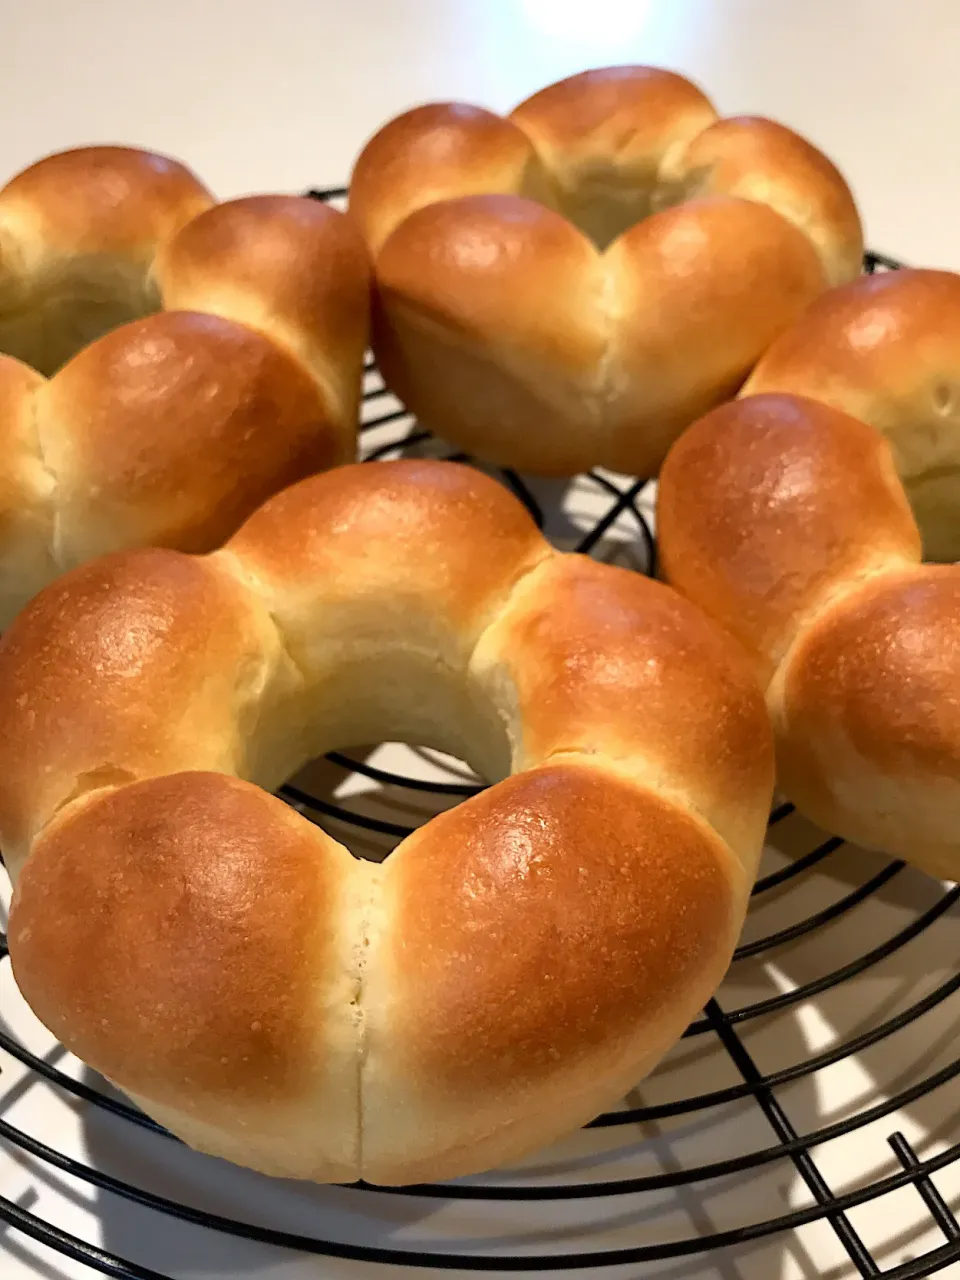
{"x": 807, "y": 1124}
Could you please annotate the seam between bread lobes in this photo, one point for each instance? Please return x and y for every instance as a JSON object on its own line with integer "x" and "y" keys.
{"x": 639, "y": 135}
{"x": 587, "y": 316}
{"x": 569, "y": 345}
{"x": 595, "y": 785}
{"x": 783, "y": 516}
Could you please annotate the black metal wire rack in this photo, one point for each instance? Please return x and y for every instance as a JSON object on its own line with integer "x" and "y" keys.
{"x": 392, "y": 431}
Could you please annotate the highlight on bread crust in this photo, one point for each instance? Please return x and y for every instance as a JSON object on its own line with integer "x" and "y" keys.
{"x": 886, "y": 349}
{"x": 514, "y": 966}
{"x": 575, "y": 283}
{"x": 797, "y": 516}
{"x": 166, "y": 363}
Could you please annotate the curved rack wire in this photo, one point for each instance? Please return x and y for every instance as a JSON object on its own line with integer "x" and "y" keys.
{"x": 624, "y": 503}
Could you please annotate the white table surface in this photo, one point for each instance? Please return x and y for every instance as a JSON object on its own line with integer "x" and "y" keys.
{"x": 260, "y": 94}
{"x": 280, "y": 95}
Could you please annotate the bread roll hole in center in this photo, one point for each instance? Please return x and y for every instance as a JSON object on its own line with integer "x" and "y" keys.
{"x": 423, "y": 739}
{"x": 69, "y": 307}
{"x": 368, "y": 797}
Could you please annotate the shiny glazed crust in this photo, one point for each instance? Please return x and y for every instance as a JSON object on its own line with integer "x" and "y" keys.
{"x": 787, "y": 516}
{"x": 576, "y": 283}
{"x": 165, "y": 428}
{"x": 514, "y": 965}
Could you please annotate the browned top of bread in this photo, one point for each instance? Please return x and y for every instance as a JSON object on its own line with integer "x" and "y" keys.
{"x": 797, "y": 516}
{"x": 606, "y": 664}
{"x": 886, "y": 349}
{"x": 793, "y": 501}
{"x": 504, "y": 266}
{"x": 289, "y": 267}
{"x": 166, "y": 428}
{"x": 607, "y": 147}
{"x": 866, "y": 710}
{"x": 762, "y": 160}
{"x": 574, "y": 285}
{"x": 433, "y": 152}
{"x": 531, "y": 320}
{"x": 100, "y": 201}
{"x": 323, "y": 540}
{"x": 494, "y": 888}
{"x": 499, "y": 918}
{"x": 169, "y": 626}
{"x": 188, "y": 420}
{"x": 895, "y": 691}
{"x": 570, "y": 632}
{"x": 479, "y": 992}
{"x": 871, "y": 342}
{"x": 173, "y": 874}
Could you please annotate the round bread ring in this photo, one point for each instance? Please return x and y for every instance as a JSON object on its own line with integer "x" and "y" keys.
{"x": 568, "y": 286}
{"x": 169, "y": 429}
{"x": 787, "y": 516}
{"x": 514, "y": 966}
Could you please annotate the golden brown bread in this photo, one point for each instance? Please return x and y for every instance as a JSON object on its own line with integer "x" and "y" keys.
{"x": 769, "y": 506}
{"x": 575, "y": 284}
{"x": 78, "y": 232}
{"x": 866, "y": 712}
{"x": 438, "y": 152}
{"x": 886, "y": 349}
{"x": 510, "y": 308}
{"x": 603, "y": 137}
{"x": 164, "y": 428}
{"x": 198, "y": 651}
{"x": 290, "y": 268}
{"x": 176, "y": 979}
{"x": 540, "y": 947}
{"x": 761, "y": 160}
{"x": 187, "y": 421}
{"x": 513, "y": 966}
{"x": 783, "y": 515}
{"x": 590, "y": 680}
